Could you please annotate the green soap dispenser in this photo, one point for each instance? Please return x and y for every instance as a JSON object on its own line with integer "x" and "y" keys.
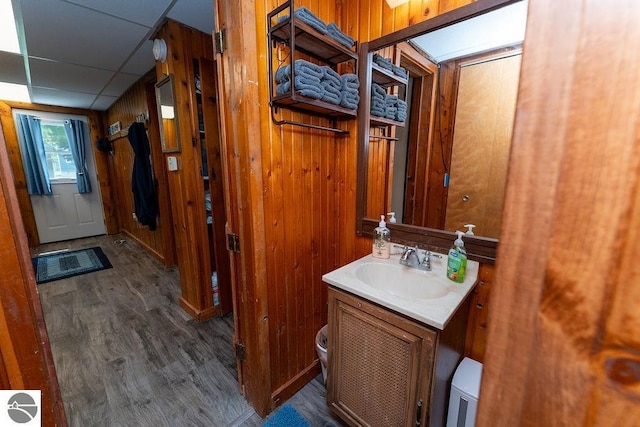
{"x": 457, "y": 261}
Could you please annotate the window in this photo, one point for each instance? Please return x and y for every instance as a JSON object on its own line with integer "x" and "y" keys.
{"x": 56, "y": 147}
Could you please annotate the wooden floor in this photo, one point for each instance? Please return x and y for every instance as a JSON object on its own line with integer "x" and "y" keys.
{"x": 126, "y": 354}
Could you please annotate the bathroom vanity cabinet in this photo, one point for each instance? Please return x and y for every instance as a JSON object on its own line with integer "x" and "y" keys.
{"x": 387, "y": 369}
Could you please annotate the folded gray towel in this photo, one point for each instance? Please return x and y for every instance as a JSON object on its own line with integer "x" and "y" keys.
{"x": 329, "y": 75}
{"x": 306, "y": 16}
{"x": 308, "y": 87}
{"x": 401, "y": 116}
{"x": 344, "y": 39}
{"x": 399, "y": 71}
{"x": 402, "y": 106}
{"x": 382, "y": 62}
{"x": 378, "y": 112}
{"x": 301, "y": 67}
{"x": 378, "y": 105}
{"x": 391, "y": 101}
{"x": 390, "y": 113}
{"x": 350, "y": 99}
{"x": 350, "y": 81}
{"x": 331, "y": 93}
{"x": 378, "y": 91}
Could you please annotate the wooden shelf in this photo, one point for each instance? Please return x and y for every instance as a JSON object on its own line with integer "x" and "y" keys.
{"x": 385, "y": 77}
{"x": 311, "y": 42}
{"x": 381, "y": 121}
{"x": 297, "y": 102}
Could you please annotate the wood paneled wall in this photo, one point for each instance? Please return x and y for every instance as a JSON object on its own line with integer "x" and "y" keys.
{"x": 293, "y": 195}
{"x": 140, "y": 99}
{"x": 186, "y": 185}
{"x": 96, "y": 130}
{"x": 564, "y": 347}
{"x": 26, "y": 362}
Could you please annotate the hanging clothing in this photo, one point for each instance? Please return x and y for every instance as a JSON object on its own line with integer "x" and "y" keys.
{"x": 143, "y": 185}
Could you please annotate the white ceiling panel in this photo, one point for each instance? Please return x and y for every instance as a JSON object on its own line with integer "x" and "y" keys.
{"x": 62, "y": 98}
{"x": 198, "y": 13}
{"x": 119, "y": 83}
{"x": 57, "y": 75}
{"x": 141, "y": 61}
{"x": 103, "y": 102}
{"x": 12, "y": 66}
{"x": 78, "y": 35}
{"x": 144, "y": 12}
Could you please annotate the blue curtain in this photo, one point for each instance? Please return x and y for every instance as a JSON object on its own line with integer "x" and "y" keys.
{"x": 33, "y": 155}
{"x": 75, "y": 134}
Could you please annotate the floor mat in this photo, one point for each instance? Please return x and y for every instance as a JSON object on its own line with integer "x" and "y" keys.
{"x": 61, "y": 265}
{"x": 287, "y": 416}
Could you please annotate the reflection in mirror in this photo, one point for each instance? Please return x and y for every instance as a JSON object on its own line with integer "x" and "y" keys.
{"x": 447, "y": 166}
{"x": 167, "y": 116}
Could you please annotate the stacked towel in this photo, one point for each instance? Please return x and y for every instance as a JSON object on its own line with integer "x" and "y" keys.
{"x": 383, "y": 62}
{"x": 391, "y": 106}
{"x": 401, "y": 115}
{"x": 399, "y": 71}
{"x": 378, "y": 95}
{"x": 344, "y": 39}
{"x": 332, "y": 85}
{"x": 307, "y": 80}
{"x": 350, "y": 96}
{"x": 306, "y": 16}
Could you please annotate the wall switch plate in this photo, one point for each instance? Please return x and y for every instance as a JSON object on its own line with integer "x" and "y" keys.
{"x": 172, "y": 163}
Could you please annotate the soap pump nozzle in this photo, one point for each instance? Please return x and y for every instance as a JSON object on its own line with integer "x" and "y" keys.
{"x": 392, "y": 217}
{"x": 382, "y": 224}
{"x": 470, "y": 228}
{"x": 458, "y": 242}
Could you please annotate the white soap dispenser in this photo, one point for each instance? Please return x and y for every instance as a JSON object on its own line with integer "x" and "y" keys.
{"x": 392, "y": 217}
{"x": 470, "y": 228}
{"x": 381, "y": 241}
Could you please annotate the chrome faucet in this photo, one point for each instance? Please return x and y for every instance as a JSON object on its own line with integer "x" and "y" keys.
{"x": 411, "y": 258}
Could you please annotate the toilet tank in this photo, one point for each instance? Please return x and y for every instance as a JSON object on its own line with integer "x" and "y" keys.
{"x": 465, "y": 389}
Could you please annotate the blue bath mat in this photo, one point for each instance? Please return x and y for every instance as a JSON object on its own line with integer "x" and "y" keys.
{"x": 285, "y": 416}
{"x": 61, "y": 265}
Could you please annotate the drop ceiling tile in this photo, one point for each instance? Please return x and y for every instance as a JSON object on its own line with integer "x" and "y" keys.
{"x": 144, "y": 12}
{"x": 57, "y": 75}
{"x": 141, "y": 61}
{"x": 62, "y": 98}
{"x": 198, "y": 14}
{"x": 119, "y": 84}
{"x": 12, "y": 68}
{"x": 70, "y": 33}
{"x": 102, "y": 103}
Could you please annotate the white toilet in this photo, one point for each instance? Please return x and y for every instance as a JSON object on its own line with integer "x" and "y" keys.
{"x": 465, "y": 389}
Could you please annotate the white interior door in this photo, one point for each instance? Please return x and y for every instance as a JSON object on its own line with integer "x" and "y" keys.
{"x": 67, "y": 214}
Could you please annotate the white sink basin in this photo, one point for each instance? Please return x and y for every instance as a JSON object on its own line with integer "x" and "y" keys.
{"x": 415, "y": 284}
{"x": 426, "y": 296}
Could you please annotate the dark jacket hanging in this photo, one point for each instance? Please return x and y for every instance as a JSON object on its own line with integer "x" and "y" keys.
{"x": 143, "y": 185}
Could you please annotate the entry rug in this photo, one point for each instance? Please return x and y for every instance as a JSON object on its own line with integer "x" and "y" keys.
{"x": 285, "y": 416}
{"x": 61, "y": 265}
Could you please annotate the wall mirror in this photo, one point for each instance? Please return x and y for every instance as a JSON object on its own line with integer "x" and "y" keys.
{"x": 445, "y": 166}
{"x": 165, "y": 99}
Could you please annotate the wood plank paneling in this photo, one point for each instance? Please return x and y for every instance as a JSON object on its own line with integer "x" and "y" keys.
{"x": 294, "y": 194}
{"x": 563, "y": 343}
{"x": 25, "y": 354}
{"x": 140, "y": 99}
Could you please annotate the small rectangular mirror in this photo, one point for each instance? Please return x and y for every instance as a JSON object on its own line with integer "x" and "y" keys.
{"x": 167, "y": 116}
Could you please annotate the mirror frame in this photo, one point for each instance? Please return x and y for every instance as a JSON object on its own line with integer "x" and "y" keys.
{"x": 166, "y": 148}
{"x": 482, "y": 249}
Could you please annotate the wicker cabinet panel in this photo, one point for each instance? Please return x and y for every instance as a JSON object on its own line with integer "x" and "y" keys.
{"x": 381, "y": 364}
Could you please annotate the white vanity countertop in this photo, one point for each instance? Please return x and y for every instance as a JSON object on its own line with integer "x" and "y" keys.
{"x": 435, "y": 312}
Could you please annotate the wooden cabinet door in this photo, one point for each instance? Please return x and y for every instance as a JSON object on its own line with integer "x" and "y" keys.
{"x": 380, "y": 364}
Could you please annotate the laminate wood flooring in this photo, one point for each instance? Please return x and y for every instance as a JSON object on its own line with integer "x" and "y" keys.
{"x": 126, "y": 354}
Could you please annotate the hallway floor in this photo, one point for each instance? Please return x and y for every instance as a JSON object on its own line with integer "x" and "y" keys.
{"x": 126, "y": 354}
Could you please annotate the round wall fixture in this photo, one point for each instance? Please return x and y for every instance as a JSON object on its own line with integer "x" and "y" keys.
{"x": 160, "y": 50}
